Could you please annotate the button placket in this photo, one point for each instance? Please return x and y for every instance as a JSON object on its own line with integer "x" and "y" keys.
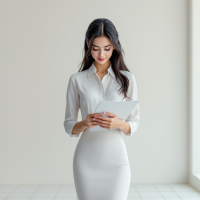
{"x": 102, "y": 90}
{"x": 102, "y": 97}
{"x": 102, "y": 93}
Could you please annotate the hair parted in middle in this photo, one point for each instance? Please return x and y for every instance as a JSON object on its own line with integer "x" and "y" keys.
{"x": 104, "y": 27}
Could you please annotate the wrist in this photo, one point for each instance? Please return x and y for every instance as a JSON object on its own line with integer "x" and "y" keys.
{"x": 84, "y": 123}
{"x": 121, "y": 123}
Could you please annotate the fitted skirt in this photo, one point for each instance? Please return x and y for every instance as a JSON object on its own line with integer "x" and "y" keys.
{"x": 101, "y": 166}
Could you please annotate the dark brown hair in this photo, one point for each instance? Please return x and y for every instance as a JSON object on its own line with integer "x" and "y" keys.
{"x": 104, "y": 27}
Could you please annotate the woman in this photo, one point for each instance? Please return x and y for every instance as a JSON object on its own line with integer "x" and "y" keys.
{"x": 101, "y": 164}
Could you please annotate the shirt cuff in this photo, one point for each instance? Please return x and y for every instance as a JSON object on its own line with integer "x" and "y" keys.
{"x": 70, "y": 125}
{"x": 133, "y": 126}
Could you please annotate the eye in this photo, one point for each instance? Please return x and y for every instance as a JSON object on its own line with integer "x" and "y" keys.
{"x": 97, "y": 49}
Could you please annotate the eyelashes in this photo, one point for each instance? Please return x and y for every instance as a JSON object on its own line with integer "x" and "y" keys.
{"x": 97, "y": 49}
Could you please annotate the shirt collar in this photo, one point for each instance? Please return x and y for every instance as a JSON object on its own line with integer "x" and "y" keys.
{"x": 93, "y": 69}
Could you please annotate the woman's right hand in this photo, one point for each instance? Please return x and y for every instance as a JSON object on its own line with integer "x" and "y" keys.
{"x": 89, "y": 122}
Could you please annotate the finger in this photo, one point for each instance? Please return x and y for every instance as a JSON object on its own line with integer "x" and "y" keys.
{"x": 95, "y": 114}
{"x": 104, "y": 126}
{"x": 94, "y": 119}
{"x": 102, "y": 122}
{"x": 104, "y": 118}
{"x": 109, "y": 114}
{"x": 94, "y": 123}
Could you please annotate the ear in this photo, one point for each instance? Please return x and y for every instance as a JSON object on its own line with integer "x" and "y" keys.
{"x": 87, "y": 43}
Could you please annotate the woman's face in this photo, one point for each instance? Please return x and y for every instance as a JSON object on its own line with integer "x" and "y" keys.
{"x": 101, "y": 48}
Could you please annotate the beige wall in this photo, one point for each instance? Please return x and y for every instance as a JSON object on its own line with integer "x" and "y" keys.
{"x": 41, "y": 46}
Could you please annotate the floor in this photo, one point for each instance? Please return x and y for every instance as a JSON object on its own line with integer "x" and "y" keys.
{"x": 68, "y": 192}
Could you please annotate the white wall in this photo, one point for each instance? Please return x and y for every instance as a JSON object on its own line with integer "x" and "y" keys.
{"x": 41, "y": 46}
{"x": 194, "y": 147}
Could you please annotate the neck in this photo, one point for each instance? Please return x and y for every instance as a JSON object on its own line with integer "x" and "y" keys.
{"x": 102, "y": 69}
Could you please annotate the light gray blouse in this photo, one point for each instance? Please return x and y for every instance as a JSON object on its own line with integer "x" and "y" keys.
{"x": 85, "y": 90}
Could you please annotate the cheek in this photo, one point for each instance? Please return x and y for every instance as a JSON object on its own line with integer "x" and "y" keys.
{"x": 109, "y": 53}
{"x": 94, "y": 53}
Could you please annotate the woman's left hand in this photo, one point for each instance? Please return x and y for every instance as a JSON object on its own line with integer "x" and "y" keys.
{"x": 110, "y": 122}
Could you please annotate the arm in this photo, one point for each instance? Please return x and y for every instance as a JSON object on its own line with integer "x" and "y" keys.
{"x": 79, "y": 127}
{"x": 130, "y": 125}
{"x": 71, "y": 111}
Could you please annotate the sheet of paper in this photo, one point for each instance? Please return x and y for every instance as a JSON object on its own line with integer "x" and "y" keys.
{"x": 121, "y": 109}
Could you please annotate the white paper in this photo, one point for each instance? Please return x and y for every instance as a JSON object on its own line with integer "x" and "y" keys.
{"x": 121, "y": 109}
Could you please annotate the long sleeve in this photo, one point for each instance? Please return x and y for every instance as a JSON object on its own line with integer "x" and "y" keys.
{"x": 133, "y": 118}
{"x": 72, "y": 107}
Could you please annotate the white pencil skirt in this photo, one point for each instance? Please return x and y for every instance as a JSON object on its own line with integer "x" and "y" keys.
{"x": 101, "y": 166}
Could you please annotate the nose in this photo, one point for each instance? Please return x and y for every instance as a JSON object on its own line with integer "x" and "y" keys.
{"x": 101, "y": 53}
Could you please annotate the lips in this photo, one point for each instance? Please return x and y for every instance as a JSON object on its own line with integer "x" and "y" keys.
{"x": 101, "y": 59}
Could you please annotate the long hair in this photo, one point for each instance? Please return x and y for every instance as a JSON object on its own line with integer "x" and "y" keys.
{"x": 104, "y": 27}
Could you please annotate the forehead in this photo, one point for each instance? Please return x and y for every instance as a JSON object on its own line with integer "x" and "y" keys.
{"x": 102, "y": 41}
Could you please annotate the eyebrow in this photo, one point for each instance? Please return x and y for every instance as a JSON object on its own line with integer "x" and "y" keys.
{"x": 104, "y": 46}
